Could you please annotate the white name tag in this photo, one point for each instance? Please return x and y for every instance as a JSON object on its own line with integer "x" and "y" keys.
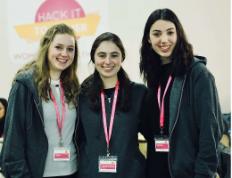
{"x": 61, "y": 154}
{"x": 161, "y": 145}
{"x": 107, "y": 164}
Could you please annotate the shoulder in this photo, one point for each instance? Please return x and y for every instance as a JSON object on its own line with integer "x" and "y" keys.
{"x": 26, "y": 79}
{"x": 138, "y": 88}
{"x": 86, "y": 85}
{"x": 198, "y": 68}
{"x": 24, "y": 76}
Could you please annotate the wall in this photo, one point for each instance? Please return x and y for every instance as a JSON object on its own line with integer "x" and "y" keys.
{"x": 207, "y": 26}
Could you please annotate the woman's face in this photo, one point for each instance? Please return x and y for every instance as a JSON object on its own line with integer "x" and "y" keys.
{"x": 108, "y": 59}
{"x": 61, "y": 53}
{"x": 163, "y": 39}
{"x": 2, "y": 110}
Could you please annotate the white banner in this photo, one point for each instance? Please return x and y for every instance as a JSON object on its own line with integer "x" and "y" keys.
{"x": 28, "y": 21}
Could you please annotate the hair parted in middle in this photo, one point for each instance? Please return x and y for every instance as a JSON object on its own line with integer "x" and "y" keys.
{"x": 92, "y": 86}
{"x": 182, "y": 56}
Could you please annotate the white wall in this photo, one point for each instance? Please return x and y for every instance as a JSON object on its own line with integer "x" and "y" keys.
{"x": 7, "y": 69}
{"x": 207, "y": 26}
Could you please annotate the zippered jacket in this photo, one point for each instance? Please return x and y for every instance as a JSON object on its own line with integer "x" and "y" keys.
{"x": 25, "y": 144}
{"x": 195, "y": 125}
{"x": 124, "y": 140}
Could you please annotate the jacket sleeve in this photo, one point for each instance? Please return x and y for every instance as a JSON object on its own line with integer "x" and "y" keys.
{"x": 13, "y": 158}
{"x": 147, "y": 116}
{"x": 209, "y": 122}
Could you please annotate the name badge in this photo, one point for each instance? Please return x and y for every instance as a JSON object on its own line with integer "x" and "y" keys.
{"x": 161, "y": 145}
{"x": 61, "y": 154}
{"x": 107, "y": 164}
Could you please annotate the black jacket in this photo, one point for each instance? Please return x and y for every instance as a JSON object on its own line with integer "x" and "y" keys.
{"x": 194, "y": 125}
{"x": 25, "y": 143}
{"x": 124, "y": 140}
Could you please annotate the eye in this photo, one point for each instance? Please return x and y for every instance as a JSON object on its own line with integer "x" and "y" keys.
{"x": 70, "y": 49}
{"x": 114, "y": 55}
{"x": 156, "y": 34}
{"x": 170, "y": 33}
{"x": 58, "y": 47}
{"x": 101, "y": 55}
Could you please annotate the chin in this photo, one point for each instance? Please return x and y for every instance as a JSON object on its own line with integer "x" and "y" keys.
{"x": 166, "y": 55}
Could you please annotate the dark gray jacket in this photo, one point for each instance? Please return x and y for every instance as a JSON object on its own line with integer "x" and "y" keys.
{"x": 123, "y": 143}
{"x": 195, "y": 125}
{"x": 25, "y": 144}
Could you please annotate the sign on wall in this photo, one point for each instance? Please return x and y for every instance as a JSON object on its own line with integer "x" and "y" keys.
{"x": 25, "y": 28}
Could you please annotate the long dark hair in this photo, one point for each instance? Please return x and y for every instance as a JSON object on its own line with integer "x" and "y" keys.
{"x": 92, "y": 85}
{"x": 150, "y": 62}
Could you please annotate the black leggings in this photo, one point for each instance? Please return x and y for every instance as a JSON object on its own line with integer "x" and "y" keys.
{"x": 68, "y": 176}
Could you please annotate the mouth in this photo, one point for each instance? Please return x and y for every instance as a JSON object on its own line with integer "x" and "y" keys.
{"x": 108, "y": 68}
{"x": 165, "y": 48}
{"x": 62, "y": 61}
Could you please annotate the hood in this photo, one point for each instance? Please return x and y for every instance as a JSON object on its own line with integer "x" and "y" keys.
{"x": 26, "y": 78}
{"x": 199, "y": 59}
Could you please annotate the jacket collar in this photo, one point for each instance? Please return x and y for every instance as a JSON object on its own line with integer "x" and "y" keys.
{"x": 175, "y": 100}
{"x": 26, "y": 78}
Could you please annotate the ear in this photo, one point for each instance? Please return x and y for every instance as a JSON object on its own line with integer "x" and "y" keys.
{"x": 149, "y": 41}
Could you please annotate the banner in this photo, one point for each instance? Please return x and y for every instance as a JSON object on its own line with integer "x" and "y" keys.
{"x": 26, "y": 27}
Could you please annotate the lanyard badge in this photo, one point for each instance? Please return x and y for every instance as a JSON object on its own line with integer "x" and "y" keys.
{"x": 108, "y": 163}
{"x": 60, "y": 153}
{"x": 59, "y": 121}
{"x": 162, "y": 142}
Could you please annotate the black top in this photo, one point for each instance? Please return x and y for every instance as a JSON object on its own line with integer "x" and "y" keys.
{"x": 124, "y": 138}
{"x": 109, "y": 92}
{"x": 163, "y": 156}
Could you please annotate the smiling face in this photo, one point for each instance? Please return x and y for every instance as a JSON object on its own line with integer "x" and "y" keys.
{"x": 163, "y": 39}
{"x": 108, "y": 59}
{"x": 60, "y": 54}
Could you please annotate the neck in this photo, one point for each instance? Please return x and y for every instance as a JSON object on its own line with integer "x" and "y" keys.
{"x": 165, "y": 60}
{"x": 55, "y": 75}
{"x": 109, "y": 82}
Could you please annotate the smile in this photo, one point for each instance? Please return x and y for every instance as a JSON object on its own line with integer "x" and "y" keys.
{"x": 108, "y": 68}
{"x": 164, "y": 48}
{"x": 62, "y": 60}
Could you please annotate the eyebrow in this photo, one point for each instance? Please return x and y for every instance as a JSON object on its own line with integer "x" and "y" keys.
{"x": 171, "y": 28}
{"x": 114, "y": 52}
{"x": 60, "y": 44}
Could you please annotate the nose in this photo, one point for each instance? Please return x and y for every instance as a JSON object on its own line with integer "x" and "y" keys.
{"x": 107, "y": 59}
{"x": 164, "y": 38}
{"x": 64, "y": 52}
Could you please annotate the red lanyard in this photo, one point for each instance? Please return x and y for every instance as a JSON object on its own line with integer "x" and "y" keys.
{"x": 161, "y": 105}
{"x": 60, "y": 121}
{"x": 108, "y": 134}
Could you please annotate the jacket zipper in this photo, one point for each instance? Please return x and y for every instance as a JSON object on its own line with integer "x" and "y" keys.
{"x": 41, "y": 118}
{"x": 75, "y": 132}
{"x": 36, "y": 104}
{"x": 178, "y": 111}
